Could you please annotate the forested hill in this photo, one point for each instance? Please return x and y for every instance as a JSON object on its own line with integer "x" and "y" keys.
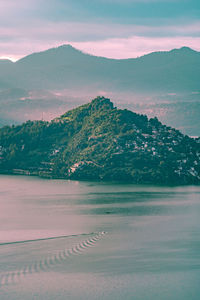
{"x": 97, "y": 141}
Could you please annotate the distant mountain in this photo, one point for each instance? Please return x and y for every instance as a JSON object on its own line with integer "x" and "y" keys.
{"x": 66, "y": 67}
{"x": 97, "y": 141}
{"x": 53, "y": 79}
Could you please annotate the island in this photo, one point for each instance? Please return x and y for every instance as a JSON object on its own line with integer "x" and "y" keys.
{"x": 97, "y": 141}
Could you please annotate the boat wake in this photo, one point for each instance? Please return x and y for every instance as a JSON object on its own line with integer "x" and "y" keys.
{"x": 50, "y": 261}
{"x": 44, "y": 239}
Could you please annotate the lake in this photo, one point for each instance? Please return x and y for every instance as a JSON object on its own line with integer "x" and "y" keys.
{"x": 85, "y": 240}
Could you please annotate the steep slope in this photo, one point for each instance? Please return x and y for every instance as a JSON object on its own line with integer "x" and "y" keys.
{"x": 100, "y": 142}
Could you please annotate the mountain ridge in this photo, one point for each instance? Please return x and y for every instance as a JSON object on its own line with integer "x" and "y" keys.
{"x": 60, "y": 78}
{"x": 74, "y": 49}
{"x": 66, "y": 67}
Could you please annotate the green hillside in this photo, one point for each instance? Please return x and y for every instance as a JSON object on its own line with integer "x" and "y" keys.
{"x": 97, "y": 141}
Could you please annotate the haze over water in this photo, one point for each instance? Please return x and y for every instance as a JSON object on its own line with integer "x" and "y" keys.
{"x": 53, "y": 246}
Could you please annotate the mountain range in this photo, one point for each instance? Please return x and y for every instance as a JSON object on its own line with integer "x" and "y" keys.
{"x": 65, "y": 67}
{"x": 60, "y": 78}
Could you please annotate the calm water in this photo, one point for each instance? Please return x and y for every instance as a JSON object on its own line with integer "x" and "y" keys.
{"x": 81, "y": 240}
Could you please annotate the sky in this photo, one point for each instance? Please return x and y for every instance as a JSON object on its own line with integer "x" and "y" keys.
{"x": 110, "y": 28}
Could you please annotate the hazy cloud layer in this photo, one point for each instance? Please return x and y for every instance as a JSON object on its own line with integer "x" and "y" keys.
{"x": 136, "y": 46}
{"x": 114, "y": 28}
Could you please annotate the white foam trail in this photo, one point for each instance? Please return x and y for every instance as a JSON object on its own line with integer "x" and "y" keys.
{"x": 48, "y": 262}
{"x": 43, "y": 239}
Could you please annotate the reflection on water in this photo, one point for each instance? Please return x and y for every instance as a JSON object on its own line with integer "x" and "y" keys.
{"x": 52, "y": 242}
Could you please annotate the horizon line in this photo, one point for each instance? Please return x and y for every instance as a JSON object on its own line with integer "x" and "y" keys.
{"x": 14, "y": 60}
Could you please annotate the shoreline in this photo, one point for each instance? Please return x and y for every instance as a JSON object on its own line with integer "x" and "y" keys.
{"x": 28, "y": 173}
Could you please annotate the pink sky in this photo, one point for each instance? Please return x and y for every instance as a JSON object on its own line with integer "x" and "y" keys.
{"x": 110, "y": 28}
{"x": 118, "y": 48}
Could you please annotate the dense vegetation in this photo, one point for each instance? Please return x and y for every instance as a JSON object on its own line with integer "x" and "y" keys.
{"x": 97, "y": 141}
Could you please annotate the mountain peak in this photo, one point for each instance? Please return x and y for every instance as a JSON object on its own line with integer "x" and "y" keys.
{"x": 54, "y": 56}
{"x": 66, "y": 47}
{"x": 101, "y": 102}
{"x": 184, "y": 49}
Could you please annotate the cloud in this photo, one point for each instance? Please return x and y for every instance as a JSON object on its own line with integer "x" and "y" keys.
{"x": 35, "y": 25}
{"x": 80, "y": 31}
{"x": 19, "y": 9}
{"x": 137, "y": 1}
{"x": 110, "y": 40}
{"x": 117, "y": 48}
{"x": 120, "y": 11}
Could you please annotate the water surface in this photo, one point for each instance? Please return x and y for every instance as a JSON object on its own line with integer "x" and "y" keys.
{"x": 53, "y": 246}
